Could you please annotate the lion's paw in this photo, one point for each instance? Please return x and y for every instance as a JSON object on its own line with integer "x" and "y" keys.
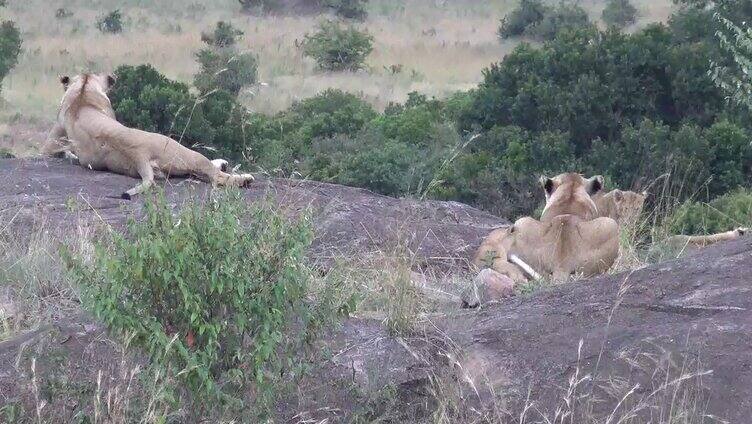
{"x": 221, "y": 164}
{"x": 245, "y": 180}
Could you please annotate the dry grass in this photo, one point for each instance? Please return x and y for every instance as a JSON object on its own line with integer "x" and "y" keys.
{"x": 442, "y": 47}
{"x": 660, "y": 386}
{"x": 34, "y": 286}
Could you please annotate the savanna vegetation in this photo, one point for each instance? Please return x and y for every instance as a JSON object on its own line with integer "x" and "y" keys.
{"x": 577, "y": 101}
{"x": 545, "y": 88}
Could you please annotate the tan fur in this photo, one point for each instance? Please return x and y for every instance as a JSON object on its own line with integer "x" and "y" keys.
{"x": 701, "y": 241}
{"x": 86, "y": 126}
{"x": 622, "y": 206}
{"x": 569, "y": 194}
{"x": 566, "y": 240}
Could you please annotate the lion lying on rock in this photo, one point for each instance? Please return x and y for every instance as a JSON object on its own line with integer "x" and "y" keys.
{"x": 86, "y": 127}
{"x": 578, "y": 232}
{"x": 569, "y": 238}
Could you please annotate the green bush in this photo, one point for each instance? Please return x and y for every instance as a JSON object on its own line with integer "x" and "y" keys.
{"x": 111, "y": 22}
{"x": 225, "y": 70}
{"x": 63, "y": 13}
{"x": 221, "y": 66}
{"x": 529, "y": 13}
{"x": 209, "y": 299}
{"x": 338, "y": 48}
{"x": 722, "y": 214}
{"x": 564, "y": 17}
{"x": 263, "y": 6}
{"x": 619, "y": 13}
{"x": 224, "y": 35}
{"x": 348, "y": 9}
{"x": 333, "y": 112}
{"x": 145, "y": 99}
{"x": 10, "y": 48}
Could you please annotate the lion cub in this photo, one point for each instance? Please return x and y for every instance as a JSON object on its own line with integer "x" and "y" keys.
{"x": 86, "y": 127}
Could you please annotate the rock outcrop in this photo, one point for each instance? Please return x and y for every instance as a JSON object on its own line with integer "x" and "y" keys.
{"x": 671, "y": 338}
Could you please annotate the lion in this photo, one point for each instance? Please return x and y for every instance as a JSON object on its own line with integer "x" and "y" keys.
{"x": 86, "y": 127}
{"x": 624, "y": 207}
{"x": 569, "y": 238}
{"x": 702, "y": 241}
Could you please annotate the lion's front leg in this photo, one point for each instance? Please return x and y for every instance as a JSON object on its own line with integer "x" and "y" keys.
{"x": 58, "y": 145}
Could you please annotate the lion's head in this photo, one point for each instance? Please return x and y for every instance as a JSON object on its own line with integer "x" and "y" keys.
{"x": 570, "y": 194}
{"x": 86, "y": 89}
{"x": 622, "y": 206}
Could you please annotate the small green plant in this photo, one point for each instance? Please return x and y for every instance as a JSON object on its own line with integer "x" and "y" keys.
{"x": 224, "y": 35}
{"x": 534, "y": 19}
{"x": 63, "y": 13}
{"x": 619, "y": 13}
{"x": 335, "y": 47}
{"x": 564, "y": 17}
{"x": 111, "y": 23}
{"x": 348, "y": 9}
{"x": 10, "y": 48}
{"x": 261, "y": 6}
{"x": 203, "y": 294}
{"x": 222, "y": 67}
{"x": 529, "y": 13}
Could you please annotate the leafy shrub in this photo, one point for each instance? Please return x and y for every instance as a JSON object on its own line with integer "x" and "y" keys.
{"x": 528, "y": 14}
{"x": 534, "y": 19}
{"x": 63, "y": 13}
{"x": 145, "y": 99}
{"x": 564, "y": 17}
{"x": 10, "y": 48}
{"x": 224, "y": 35}
{"x": 263, "y": 6}
{"x": 221, "y": 66}
{"x": 331, "y": 112}
{"x": 380, "y": 165}
{"x": 338, "y": 48}
{"x": 209, "y": 299}
{"x": 284, "y": 142}
{"x": 619, "y": 13}
{"x": 111, "y": 23}
{"x": 722, "y": 214}
{"x": 225, "y": 70}
{"x": 349, "y": 9}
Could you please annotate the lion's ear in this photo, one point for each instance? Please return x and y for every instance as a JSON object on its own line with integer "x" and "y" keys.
{"x": 595, "y": 184}
{"x": 65, "y": 80}
{"x": 547, "y": 184}
{"x": 618, "y": 195}
{"x": 111, "y": 80}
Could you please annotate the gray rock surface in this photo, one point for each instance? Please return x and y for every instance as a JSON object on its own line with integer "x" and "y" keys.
{"x": 642, "y": 333}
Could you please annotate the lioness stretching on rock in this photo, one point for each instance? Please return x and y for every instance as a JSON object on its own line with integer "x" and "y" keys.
{"x": 569, "y": 238}
{"x": 86, "y": 126}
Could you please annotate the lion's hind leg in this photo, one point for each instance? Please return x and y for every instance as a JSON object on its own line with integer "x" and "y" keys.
{"x": 232, "y": 180}
{"x": 146, "y": 172}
